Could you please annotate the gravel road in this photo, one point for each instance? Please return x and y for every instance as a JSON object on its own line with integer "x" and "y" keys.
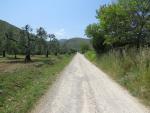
{"x": 83, "y": 88}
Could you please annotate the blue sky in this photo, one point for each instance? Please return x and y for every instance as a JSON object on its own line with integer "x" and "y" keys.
{"x": 65, "y": 18}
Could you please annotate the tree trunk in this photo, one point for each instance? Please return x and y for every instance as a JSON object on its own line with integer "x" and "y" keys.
{"x": 56, "y": 53}
{"x": 4, "y": 53}
{"x": 28, "y": 53}
{"x": 139, "y": 37}
{"x": 139, "y": 41}
{"x": 15, "y": 55}
{"x": 28, "y": 56}
{"x": 47, "y": 54}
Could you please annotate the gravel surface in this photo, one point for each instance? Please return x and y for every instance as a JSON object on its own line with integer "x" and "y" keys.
{"x": 83, "y": 88}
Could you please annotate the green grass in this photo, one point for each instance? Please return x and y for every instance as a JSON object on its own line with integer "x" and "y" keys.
{"x": 22, "y": 87}
{"x": 131, "y": 70}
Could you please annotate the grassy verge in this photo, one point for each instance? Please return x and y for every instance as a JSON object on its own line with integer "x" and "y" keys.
{"x": 21, "y": 85}
{"x": 132, "y": 70}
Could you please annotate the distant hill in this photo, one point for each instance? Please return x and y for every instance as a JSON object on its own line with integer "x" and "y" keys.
{"x": 74, "y": 43}
{"x": 5, "y": 26}
{"x": 62, "y": 41}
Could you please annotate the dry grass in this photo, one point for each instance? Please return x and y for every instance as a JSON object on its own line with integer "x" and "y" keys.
{"x": 131, "y": 69}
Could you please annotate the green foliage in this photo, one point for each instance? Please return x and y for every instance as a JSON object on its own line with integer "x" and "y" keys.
{"x": 54, "y": 46}
{"x": 94, "y": 32}
{"x": 74, "y": 44}
{"x": 125, "y": 23}
{"x": 41, "y": 44}
{"x": 41, "y": 33}
{"x": 22, "y": 41}
{"x": 84, "y": 47}
{"x": 114, "y": 20}
{"x": 12, "y": 31}
{"x": 91, "y": 55}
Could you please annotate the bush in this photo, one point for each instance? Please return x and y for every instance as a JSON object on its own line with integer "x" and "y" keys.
{"x": 84, "y": 47}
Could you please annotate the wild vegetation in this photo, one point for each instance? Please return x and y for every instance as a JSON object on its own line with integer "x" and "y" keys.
{"x": 21, "y": 85}
{"x": 121, "y": 41}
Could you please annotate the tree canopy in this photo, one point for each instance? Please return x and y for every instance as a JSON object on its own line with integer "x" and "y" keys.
{"x": 23, "y": 41}
{"x": 124, "y": 23}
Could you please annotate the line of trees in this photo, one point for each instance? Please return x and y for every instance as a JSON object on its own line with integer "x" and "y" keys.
{"x": 24, "y": 41}
{"x": 125, "y": 23}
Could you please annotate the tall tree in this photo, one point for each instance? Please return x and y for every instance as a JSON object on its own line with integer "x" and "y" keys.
{"x": 12, "y": 43}
{"x": 139, "y": 11}
{"x": 42, "y": 41}
{"x": 53, "y": 44}
{"x": 26, "y": 32}
{"x": 3, "y": 46}
{"x": 84, "y": 47}
{"x": 125, "y": 22}
{"x": 94, "y": 32}
{"x": 7, "y": 43}
{"x": 51, "y": 38}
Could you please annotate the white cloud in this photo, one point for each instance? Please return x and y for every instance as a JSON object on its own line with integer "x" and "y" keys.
{"x": 61, "y": 34}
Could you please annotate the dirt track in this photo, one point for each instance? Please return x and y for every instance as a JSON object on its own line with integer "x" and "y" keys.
{"x": 83, "y": 88}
